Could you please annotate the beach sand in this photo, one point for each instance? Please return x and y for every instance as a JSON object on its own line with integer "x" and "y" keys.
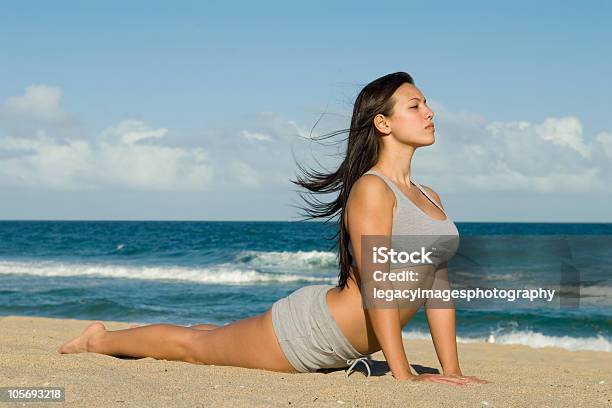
{"x": 522, "y": 376}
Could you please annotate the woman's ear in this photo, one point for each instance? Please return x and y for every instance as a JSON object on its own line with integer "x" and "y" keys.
{"x": 382, "y": 124}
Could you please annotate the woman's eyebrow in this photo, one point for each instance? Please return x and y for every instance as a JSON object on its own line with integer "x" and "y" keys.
{"x": 424, "y": 100}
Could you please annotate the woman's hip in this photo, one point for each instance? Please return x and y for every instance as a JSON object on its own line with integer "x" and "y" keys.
{"x": 307, "y": 332}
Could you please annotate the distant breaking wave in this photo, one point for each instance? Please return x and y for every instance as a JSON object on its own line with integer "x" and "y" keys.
{"x": 215, "y": 274}
{"x": 531, "y": 339}
{"x": 289, "y": 260}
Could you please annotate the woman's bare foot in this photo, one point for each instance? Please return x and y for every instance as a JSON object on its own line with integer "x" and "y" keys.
{"x": 79, "y": 343}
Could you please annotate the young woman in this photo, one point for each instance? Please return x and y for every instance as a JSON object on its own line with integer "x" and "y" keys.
{"x": 325, "y": 326}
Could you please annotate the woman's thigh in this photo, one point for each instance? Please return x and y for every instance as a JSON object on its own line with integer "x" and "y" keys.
{"x": 249, "y": 343}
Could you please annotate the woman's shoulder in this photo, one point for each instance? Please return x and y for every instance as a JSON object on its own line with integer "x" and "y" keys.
{"x": 371, "y": 189}
{"x": 369, "y": 197}
{"x": 369, "y": 186}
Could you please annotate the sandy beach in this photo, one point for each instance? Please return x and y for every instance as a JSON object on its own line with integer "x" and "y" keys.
{"x": 521, "y": 376}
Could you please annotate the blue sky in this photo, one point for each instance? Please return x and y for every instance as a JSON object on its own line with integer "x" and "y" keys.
{"x": 198, "y": 103}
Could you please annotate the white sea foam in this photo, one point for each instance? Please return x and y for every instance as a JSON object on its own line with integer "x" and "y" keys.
{"x": 220, "y": 274}
{"x": 538, "y": 340}
{"x": 588, "y": 294}
{"x": 511, "y": 276}
{"x": 421, "y": 335}
{"x": 596, "y": 290}
{"x": 289, "y": 260}
{"x": 531, "y": 339}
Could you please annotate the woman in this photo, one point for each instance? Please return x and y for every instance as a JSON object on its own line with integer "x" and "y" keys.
{"x": 325, "y": 326}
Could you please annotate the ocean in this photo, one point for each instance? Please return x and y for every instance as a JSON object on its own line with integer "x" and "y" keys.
{"x": 217, "y": 272}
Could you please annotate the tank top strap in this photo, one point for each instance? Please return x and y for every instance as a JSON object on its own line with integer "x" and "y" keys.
{"x": 428, "y": 196}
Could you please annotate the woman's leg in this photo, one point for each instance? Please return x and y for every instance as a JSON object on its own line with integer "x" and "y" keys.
{"x": 249, "y": 343}
{"x": 204, "y": 326}
{"x": 195, "y": 326}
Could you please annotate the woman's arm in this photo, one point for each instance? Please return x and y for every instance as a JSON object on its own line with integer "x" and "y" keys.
{"x": 441, "y": 320}
{"x": 442, "y": 324}
{"x": 441, "y": 316}
{"x": 369, "y": 212}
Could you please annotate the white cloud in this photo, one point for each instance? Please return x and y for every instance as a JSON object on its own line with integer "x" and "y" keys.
{"x": 605, "y": 141}
{"x": 276, "y": 127}
{"x": 302, "y": 132}
{"x": 255, "y": 136}
{"x": 35, "y": 153}
{"x": 150, "y": 167}
{"x": 470, "y": 154}
{"x": 81, "y": 164}
{"x": 131, "y": 131}
{"x": 244, "y": 173}
{"x": 565, "y": 132}
{"x": 552, "y": 156}
{"x": 39, "y": 101}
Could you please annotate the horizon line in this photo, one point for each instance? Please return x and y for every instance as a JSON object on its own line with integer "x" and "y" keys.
{"x": 308, "y": 220}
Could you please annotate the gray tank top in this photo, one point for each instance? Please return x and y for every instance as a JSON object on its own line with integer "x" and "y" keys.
{"x": 412, "y": 223}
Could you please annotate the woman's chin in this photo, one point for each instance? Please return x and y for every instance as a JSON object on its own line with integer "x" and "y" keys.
{"x": 428, "y": 141}
{"x": 425, "y": 141}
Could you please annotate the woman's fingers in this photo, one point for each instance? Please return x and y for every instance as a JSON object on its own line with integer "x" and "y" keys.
{"x": 470, "y": 379}
{"x": 445, "y": 379}
{"x": 477, "y": 380}
{"x": 448, "y": 381}
{"x": 456, "y": 380}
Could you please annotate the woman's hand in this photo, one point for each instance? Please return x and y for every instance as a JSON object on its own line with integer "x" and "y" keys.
{"x": 468, "y": 378}
{"x": 455, "y": 380}
{"x": 439, "y": 378}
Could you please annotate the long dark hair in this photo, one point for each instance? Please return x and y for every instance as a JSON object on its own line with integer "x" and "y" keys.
{"x": 361, "y": 155}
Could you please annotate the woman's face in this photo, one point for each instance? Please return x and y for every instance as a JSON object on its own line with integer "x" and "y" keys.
{"x": 411, "y": 122}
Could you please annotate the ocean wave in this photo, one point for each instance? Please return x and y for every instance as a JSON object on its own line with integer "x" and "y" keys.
{"x": 531, "y": 339}
{"x": 596, "y": 291}
{"x": 601, "y": 292}
{"x": 288, "y": 260}
{"x": 218, "y": 274}
{"x": 538, "y": 340}
{"x": 511, "y": 276}
{"x": 421, "y": 335}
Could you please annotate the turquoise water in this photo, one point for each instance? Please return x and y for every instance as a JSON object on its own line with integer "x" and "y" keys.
{"x": 217, "y": 272}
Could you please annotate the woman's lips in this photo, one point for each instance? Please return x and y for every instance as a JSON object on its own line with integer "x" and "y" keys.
{"x": 431, "y": 126}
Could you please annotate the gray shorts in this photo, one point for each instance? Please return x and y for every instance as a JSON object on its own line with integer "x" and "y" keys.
{"x": 307, "y": 332}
